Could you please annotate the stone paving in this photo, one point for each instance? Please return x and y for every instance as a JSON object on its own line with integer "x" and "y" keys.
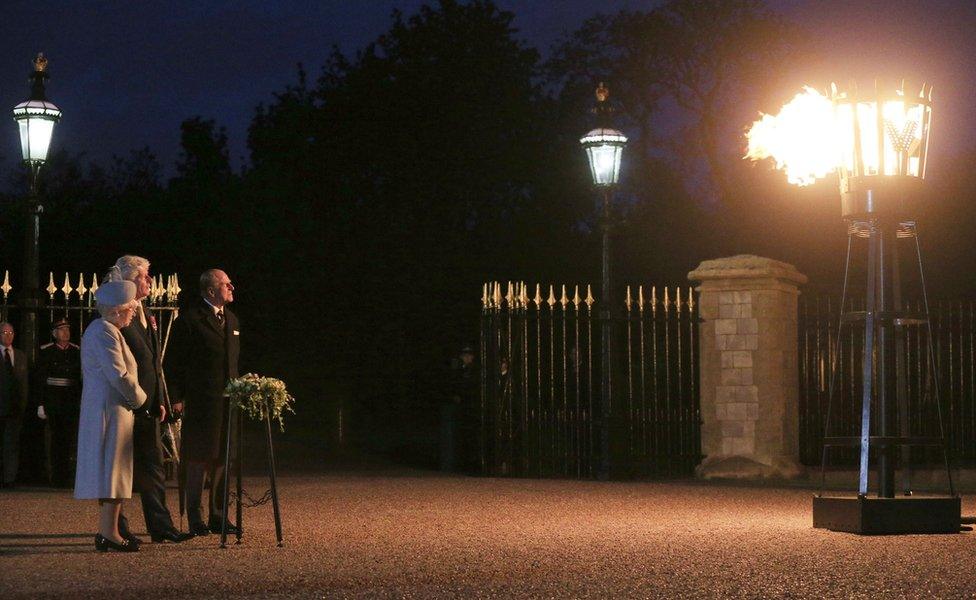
{"x": 413, "y": 534}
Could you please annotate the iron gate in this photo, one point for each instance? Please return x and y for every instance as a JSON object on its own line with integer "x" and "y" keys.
{"x": 540, "y": 383}
{"x": 821, "y": 357}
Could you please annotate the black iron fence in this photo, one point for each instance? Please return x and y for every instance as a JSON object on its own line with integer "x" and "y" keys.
{"x": 820, "y": 358}
{"x": 541, "y": 383}
{"x": 76, "y": 302}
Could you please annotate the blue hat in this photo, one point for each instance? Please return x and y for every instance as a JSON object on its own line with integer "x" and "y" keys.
{"x": 115, "y": 293}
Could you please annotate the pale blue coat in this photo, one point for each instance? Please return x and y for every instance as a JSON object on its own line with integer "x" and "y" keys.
{"x": 109, "y": 395}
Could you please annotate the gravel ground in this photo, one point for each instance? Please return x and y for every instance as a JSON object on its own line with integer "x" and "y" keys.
{"x": 415, "y": 534}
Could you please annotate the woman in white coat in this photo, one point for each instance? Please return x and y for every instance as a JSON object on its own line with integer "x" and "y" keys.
{"x": 109, "y": 396}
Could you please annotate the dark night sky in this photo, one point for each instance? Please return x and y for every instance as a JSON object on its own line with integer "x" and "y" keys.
{"x": 127, "y": 73}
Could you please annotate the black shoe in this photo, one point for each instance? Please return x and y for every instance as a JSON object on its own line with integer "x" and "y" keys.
{"x": 103, "y": 544}
{"x": 199, "y": 529}
{"x": 170, "y": 535}
{"x": 126, "y": 534}
{"x": 132, "y": 539}
{"x": 216, "y": 527}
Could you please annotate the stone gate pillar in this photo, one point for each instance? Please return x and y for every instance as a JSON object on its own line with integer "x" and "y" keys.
{"x": 749, "y": 381}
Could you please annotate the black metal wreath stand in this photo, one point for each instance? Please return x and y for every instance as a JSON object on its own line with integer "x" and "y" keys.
{"x": 235, "y": 413}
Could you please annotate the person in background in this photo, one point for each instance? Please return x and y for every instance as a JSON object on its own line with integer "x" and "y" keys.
{"x": 110, "y": 398}
{"x": 13, "y": 401}
{"x": 57, "y": 380}
{"x": 466, "y": 420}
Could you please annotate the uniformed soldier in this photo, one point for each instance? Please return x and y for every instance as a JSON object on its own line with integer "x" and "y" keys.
{"x": 59, "y": 397}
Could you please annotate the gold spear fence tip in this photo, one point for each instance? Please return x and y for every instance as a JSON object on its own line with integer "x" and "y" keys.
{"x": 629, "y": 300}
{"x": 6, "y": 284}
{"x": 565, "y": 299}
{"x": 484, "y": 295}
{"x": 51, "y": 288}
{"x": 677, "y": 298}
{"x": 94, "y": 285}
{"x": 654, "y": 298}
{"x": 509, "y": 295}
{"x": 589, "y": 297}
{"x": 552, "y": 298}
{"x": 576, "y": 297}
{"x": 691, "y": 300}
{"x": 81, "y": 285}
{"x": 640, "y": 298}
{"x": 525, "y": 296}
{"x": 667, "y": 299}
{"x": 66, "y": 288}
{"x": 497, "y": 295}
{"x": 538, "y": 295}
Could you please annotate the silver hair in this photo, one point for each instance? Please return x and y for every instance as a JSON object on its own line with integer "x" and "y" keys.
{"x": 129, "y": 266}
{"x": 208, "y": 279}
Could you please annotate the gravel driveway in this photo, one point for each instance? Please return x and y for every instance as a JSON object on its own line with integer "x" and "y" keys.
{"x": 418, "y": 535}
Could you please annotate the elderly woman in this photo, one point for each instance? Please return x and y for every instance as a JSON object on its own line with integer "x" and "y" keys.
{"x": 109, "y": 396}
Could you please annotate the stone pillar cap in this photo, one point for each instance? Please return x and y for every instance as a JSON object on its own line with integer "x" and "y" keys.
{"x": 746, "y": 266}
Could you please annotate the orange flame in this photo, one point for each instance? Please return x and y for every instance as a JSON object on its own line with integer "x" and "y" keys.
{"x": 800, "y": 138}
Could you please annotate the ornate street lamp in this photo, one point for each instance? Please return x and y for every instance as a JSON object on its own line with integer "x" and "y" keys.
{"x": 604, "y": 148}
{"x": 36, "y": 119}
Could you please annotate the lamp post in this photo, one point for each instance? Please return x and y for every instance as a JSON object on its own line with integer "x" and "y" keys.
{"x": 604, "y": 148}
{"x": 883, "y": 138}
{"x": 36, "y": 119}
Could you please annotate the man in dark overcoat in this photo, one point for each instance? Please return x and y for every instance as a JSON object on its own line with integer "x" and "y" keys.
{"x": 57, "y": 382}
{"x": 13, "y": 401}
{"x": 200, "y": 360}
{"x": 149, "y": 475}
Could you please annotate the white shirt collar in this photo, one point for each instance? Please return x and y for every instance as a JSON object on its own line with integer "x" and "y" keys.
{"x": 215, "y": 309}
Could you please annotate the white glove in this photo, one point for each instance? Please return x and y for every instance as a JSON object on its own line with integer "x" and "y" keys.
{"x": 40, "y": 413}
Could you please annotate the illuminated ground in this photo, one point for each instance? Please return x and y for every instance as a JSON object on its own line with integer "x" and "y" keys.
{"x": 415, "y": 534}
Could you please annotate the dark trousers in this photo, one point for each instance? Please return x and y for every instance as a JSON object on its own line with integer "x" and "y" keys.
{"x": 11, "y": 448}
{"x": 64, "y": 446}
{"x": 149, "y": 475}
{"x": 196, "y": 473}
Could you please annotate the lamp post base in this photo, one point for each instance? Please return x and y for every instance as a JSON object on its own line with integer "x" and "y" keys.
{"x": 887, "y": 516}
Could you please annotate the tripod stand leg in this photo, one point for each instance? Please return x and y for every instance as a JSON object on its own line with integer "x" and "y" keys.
{"x": 225, "y": 501}
{"x": 240, "y": 471}
{"x": 274, "y": 483}
{"x": 867, "y": 372}
{"x": 933, "y": 367}
{"x": 834, "y": 360}
{"x": 901, "y": 378}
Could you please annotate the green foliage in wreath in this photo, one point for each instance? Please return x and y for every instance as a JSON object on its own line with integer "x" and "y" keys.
{"x": 260, "y": 396}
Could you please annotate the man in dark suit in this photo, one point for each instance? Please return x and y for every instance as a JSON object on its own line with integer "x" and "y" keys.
{"x": 201, "y": 359}
{"x": 13, "y": 401}
{"x": 142, "y": 337}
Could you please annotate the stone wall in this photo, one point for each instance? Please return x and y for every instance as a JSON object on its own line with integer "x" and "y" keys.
{"x": 749, "y": 394}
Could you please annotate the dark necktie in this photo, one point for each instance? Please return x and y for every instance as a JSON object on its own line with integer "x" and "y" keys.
{"x": 220, "y": 317}
{"x": 7, "y": 361}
